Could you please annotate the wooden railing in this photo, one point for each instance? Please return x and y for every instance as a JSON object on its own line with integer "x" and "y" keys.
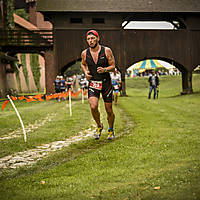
{"x": 16, "y": 38}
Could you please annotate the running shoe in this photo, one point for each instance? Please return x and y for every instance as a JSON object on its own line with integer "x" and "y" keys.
{"x": 111, "y": 135}
{"x": 98, "y": 133}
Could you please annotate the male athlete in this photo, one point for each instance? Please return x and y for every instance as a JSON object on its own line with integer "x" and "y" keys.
{"x": 116, "y": 80}
{"x": 97, "y": 62}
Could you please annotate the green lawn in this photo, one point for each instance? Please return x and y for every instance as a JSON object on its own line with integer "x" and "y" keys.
{"x": 155, "y": 154}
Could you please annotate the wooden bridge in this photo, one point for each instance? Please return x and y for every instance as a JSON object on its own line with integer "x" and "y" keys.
{"x": 72, "y": 19}
{"x": 29, "y": 41}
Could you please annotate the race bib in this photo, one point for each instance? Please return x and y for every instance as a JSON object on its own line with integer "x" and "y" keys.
{"x": 96, "y": 85}
{"x": 116, "y": 87}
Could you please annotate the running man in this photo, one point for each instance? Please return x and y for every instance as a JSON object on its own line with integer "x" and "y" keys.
{"x": 116, "y": 79}
{"x": 97, "y": 62}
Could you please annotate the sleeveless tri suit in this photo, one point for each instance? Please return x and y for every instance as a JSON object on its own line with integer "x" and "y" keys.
{"x": 99, "y": 83}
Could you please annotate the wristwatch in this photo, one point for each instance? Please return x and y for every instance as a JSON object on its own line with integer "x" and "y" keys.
{"x": 105, "y": 70}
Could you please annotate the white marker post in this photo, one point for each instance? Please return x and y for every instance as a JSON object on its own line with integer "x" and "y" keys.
{"x": 82, "y": 95}
{"x": 20, "y": 119}
{"x": 70, "y": 103}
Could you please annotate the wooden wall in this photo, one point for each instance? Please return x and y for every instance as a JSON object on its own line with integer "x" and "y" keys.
{"x": 130, "y": 46}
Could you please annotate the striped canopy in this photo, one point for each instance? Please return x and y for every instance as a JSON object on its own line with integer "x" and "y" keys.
{"x": 147, "y": 65}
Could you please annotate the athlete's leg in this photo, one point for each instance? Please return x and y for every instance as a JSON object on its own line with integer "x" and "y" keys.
{"x": 110, "y": 114}
{"x": 154, "y": 94}
{"x": 116, "y": 95}
{"x": 93, "y": 101}
{"x": 150, "y": 90}
{"x": 111, "y": 119}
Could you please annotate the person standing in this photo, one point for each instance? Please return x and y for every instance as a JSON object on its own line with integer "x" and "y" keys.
{"x": 154, "y": 83}
{"x": 97, "y": 62}
{"x": 62, "y": 84}
{"x": 57, "y": 84}
{"x": 69, "y": 83}
{"x": 82, "y": 82}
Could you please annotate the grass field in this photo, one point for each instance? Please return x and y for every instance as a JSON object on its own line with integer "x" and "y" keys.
{"x": 155, "y": 154}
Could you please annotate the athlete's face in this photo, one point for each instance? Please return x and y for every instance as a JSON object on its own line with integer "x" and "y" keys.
{"x": 92, "y": 40}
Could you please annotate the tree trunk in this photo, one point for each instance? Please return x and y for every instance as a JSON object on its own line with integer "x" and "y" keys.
{"x": 187, "y": 82}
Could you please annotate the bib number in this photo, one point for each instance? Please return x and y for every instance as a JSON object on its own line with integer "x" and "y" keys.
{"x": 116, "y": 87}
{"x": 96, "y": 85}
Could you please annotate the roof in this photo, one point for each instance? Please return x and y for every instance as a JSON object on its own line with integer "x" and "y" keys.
{"x": 118, "y": 5}
{"x": 24, "y": 23}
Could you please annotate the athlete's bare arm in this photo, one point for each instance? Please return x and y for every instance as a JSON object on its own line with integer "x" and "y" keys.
{"x": 111, "y": 62}
{"x": 84, "y": 65}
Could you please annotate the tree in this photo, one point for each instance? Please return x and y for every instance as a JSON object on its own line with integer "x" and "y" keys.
{"x": 8, "y": 12}
{"x": 74, "y": 69}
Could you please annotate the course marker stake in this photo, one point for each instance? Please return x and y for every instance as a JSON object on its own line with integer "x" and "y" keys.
{"x": 20, "y": 119}
{"x": 70, "y": 103}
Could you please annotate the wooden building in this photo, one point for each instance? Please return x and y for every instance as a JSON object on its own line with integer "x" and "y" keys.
{"x": 27, "y": 37}
{"x": 71, "y": 20}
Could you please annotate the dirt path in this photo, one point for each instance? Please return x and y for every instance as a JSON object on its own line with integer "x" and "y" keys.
{"x": 31, "y": 156}
{"x": 29, "y": 128}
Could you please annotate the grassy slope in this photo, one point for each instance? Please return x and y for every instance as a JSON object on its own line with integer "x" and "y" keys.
{"x": 161, "y": 149}
{"x": 60, "y": 127}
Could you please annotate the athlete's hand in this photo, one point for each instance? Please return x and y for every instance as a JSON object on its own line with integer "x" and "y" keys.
{"x": 87, "y": 75}
{"x": 100, "y": 70}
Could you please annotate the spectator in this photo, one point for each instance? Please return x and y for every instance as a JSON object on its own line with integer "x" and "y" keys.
{"x": 69, "y": 83}
{"x": 154, "y": 83}
{"x": 57, "y": 84}
{"x": 62, "y": 84}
